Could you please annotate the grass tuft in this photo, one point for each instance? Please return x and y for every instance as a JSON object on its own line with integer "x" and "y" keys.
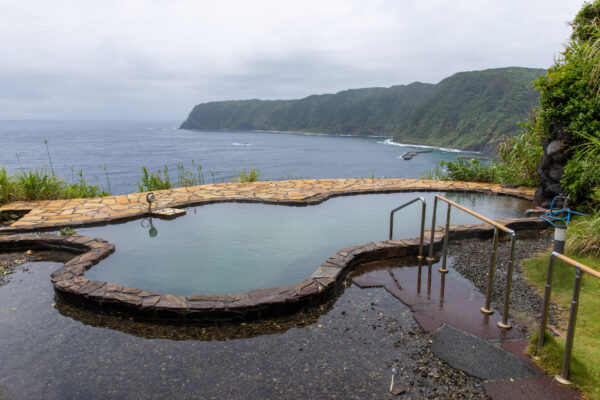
{"x": 251, "y": 176}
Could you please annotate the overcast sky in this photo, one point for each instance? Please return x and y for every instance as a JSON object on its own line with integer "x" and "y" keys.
{"x": 157, "y": 59}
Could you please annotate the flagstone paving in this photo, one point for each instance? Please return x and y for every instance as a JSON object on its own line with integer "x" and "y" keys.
{"x": 53, "y": 214}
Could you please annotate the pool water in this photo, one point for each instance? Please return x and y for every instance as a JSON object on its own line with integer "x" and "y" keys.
{"x": 237, "y": 247}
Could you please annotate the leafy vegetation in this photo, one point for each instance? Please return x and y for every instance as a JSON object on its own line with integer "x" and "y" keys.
{"x": 185, "y": 177}
{"x": 190, "y": 177}
{"x": 251, "y": 176}
{"x": 463, "y": 169}
{"x": 518, "y": 158}
{"x": 568, "y": 101}
{"x": 584, "y": 235}
{"x": 151, "y": 181}
{"x": 67, "y": 231}
{"x": 570, "y": 108}
{"x": 585, "y": 369}
{"x": 465, "y": 110}
{"x": 41, "y": 185}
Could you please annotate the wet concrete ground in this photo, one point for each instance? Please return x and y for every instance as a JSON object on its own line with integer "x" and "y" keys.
{"x": 347, "y": 348}
{"x": 342, "y": 350}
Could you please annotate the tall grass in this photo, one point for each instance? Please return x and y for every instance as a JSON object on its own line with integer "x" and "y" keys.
{"x": 38, "y": 185}
{"x": 151, "y": 181}
{"x": 518, "y": 158}
{"x": 584, "y": 235}
{"x": 41, "y": 185}
{"x": 190, "y": 177}
{"x": 7, "y": 187}
{"x": 251, "y": 176}
{"x": 463, "y": 169}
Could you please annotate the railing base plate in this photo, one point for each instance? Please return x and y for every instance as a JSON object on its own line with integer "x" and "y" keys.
{"x": 443, "y": 270}
{"x": 562, "y": 381}
{"x": 502, "y": 325}
{"x": 488, "y": 311}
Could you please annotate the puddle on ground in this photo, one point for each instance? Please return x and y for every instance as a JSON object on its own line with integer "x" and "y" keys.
{"x": 344, "y": 349}
{"x": 451, "y": 298}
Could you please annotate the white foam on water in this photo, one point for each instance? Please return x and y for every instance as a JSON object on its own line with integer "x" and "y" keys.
{"x": 423, "y": 146}
{"x": 241, "y": 144}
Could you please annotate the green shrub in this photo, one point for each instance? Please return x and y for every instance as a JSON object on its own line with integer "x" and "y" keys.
{"x": 81, "y": 189}
{"x": 519, "y": 157}
{"x": 39, "y": 185}
{"x": 569, "y": 101}
{"x": 8, "y": 190}
{"x": 251, "y": 176}
{"x": 150, "y": 181}
{"x": 463, "y": 169}
{"x": 67, "y": 231}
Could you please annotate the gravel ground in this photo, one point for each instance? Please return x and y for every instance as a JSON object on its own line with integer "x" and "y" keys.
{"x": 472, "y": 259}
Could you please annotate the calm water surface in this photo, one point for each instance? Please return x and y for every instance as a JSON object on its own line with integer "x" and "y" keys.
{"x": 125, "y": 146}
{"x": 233, "y": 247}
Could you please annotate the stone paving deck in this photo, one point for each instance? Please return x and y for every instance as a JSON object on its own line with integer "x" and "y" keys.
{"x": 54, "y": 214}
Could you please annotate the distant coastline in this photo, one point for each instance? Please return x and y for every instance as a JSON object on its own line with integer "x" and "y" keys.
{"x": 469, "y": 110}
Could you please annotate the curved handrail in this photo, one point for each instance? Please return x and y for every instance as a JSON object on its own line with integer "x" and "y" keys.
{"x": 487, "y": 309}
{"x": 579, "y": 268}
{"x": 423, "y": 207}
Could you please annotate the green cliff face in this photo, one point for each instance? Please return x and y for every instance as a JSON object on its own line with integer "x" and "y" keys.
{"x": 467, "y": 110}
{"x": 473, "y": 110}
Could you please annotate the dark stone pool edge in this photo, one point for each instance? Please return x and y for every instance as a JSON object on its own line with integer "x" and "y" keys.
{"x": 71, "y": 285}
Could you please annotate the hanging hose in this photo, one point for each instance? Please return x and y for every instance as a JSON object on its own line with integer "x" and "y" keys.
{"x": 559, "y": 219}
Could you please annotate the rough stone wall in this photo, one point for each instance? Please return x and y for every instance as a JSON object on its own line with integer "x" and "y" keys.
{"x": 551, "y": 169}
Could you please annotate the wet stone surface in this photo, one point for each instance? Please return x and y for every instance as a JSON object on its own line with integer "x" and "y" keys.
{"x": 344, "y": 349}
{"x": 472, "y": 259}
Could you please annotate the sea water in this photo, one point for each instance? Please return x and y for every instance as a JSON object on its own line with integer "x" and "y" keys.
{"x": 124, "y": 147}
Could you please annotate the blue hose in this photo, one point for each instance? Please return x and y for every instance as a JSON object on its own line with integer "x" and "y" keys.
{"x": 554, "y": 217}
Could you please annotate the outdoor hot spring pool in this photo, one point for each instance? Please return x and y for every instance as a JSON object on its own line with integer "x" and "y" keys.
{"x": 237, "y": 247}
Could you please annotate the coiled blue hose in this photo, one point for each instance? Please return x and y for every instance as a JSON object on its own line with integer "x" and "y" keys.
{"x": 554, "y": 217}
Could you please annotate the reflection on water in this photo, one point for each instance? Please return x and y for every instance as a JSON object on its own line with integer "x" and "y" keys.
{"x": 224, "y": 332}
{"x": 232, "y": 247}
{"x": 146, "y": 223}
{"x": 343, "y": 350}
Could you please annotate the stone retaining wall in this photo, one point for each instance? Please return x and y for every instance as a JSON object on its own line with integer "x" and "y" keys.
{"x": 71, "y": 285}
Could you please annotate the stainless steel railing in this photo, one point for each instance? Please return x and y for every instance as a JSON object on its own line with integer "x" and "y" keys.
{"x": 487, "y": 309}
{"x": 579, "y": 268}
{"x": 423, "y": 207}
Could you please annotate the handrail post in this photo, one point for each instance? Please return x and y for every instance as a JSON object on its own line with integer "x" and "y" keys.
{"x": 488, "y": 297}
{"x": 419, "y": 273}
{"x": 563, "y": 378}
{"x": 391, "y": 224}
{"x": 435, "y": 201}
{"x": 443, "y": 269}
{"x": 546, "y": 304}
{"x": 423, "y": 210}
{"x": 504, "y": 323}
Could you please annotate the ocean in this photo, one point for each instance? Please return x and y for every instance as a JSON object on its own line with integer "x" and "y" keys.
{"x": 124, "y": 147}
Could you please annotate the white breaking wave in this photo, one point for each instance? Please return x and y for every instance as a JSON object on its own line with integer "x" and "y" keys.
{"x": 390, "y": 142}
{"x": 241, "y": 144}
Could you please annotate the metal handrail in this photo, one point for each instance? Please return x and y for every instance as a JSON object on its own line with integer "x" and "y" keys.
{"x": 423, "y": 207}
{"x": 487, "y": 309}
{"x": 579, "y": 268}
